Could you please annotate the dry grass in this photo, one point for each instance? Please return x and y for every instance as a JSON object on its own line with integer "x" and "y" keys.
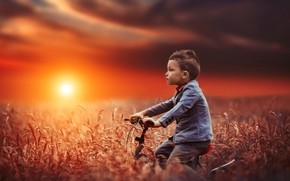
{"x": 90, "y": 142}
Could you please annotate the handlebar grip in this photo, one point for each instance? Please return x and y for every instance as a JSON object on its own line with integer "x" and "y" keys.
{"x": 149, "y": 123}
{"x": 135, "y": 120}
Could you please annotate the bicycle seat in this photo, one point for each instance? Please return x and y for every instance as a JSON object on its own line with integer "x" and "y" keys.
{"x": 209, "y": 148}
{"x": 195, "y": 162}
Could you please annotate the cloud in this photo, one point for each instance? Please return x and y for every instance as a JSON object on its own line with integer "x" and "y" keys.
{"x": 253, "y": 20}
{"x": 147, "y": 31}
{"x": 254, "y": 44}
{"x": 12, "y": 8}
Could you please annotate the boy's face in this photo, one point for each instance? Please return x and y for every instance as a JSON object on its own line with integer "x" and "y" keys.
{"x": 174, "y": 75}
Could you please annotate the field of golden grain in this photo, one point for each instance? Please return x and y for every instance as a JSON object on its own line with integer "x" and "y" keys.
{"x": 92, "y": 142}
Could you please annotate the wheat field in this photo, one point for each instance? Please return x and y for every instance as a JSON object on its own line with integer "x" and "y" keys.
{"x": 91, "y": 141}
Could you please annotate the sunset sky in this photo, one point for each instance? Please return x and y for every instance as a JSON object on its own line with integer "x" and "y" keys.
{"x": 119, "y": 49}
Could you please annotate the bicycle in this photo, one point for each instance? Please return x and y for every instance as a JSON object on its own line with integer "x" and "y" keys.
{"x": 193, "y": 163}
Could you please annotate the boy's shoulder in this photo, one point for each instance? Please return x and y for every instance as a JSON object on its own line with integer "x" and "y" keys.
{"x": 192, "y": 83}
{"x": 191, "y": 86}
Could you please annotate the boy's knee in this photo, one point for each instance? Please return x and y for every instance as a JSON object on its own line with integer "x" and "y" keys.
{"x": 173, "y": 162}
{"x": 162, "y": 160}
{"x": 159, "y": 151}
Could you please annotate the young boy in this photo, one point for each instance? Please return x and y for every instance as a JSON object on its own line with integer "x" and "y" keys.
{"x": 189, "y": 108}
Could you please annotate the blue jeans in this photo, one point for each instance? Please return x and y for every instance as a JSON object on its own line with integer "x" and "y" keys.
{"x": 176, "y": 156}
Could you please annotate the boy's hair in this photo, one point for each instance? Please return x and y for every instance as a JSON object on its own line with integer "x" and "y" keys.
{"x": 187, "y": 61}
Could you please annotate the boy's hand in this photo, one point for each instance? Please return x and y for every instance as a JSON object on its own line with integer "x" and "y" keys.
{"x": 134, "y": 118}
{"x": 137, "y": 115}
{"x": 148, "y": 122}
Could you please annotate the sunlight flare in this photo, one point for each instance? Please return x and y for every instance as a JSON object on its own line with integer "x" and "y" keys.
{"x": 66, "y": 89}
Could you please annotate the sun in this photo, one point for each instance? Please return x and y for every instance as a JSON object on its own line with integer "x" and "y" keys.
{"x": 66, "y": 89}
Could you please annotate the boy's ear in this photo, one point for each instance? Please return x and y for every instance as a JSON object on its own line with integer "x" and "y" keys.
{"x": 185, "y": 74}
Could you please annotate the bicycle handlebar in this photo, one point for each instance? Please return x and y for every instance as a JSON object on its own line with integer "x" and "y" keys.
{"x": 148, "y": 123}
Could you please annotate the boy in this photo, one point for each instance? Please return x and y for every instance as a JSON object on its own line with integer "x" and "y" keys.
{"x": 190, "y": 110}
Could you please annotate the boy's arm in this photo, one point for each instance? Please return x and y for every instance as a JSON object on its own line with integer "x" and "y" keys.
{"x": 154, "y": 110}
{"x": 188, "y": 99}
{"x": 160, "y": 108}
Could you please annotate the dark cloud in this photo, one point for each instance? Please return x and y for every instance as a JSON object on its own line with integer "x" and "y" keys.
{"x": 255, "y": 19}
{"x": 11, "y": 8}
{"x": 11, "y": 38}
{"x": 241, "y": 33}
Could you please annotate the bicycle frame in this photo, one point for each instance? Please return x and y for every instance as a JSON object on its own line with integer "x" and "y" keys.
{"x": 140, "y": 140}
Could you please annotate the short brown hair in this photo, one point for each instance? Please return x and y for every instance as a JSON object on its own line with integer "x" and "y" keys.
{"x": 187, "y": 61}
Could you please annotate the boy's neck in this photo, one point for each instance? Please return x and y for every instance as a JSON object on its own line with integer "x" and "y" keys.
{"x": 180, "y": 86}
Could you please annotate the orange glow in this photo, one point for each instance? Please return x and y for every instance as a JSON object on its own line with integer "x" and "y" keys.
{"x": 64, "y": 86}
{"x": 66, "y": 89}
{"x": 4, "y": 63}
{"x": 227, "y": 86}
{"x": 108, "y": 82}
